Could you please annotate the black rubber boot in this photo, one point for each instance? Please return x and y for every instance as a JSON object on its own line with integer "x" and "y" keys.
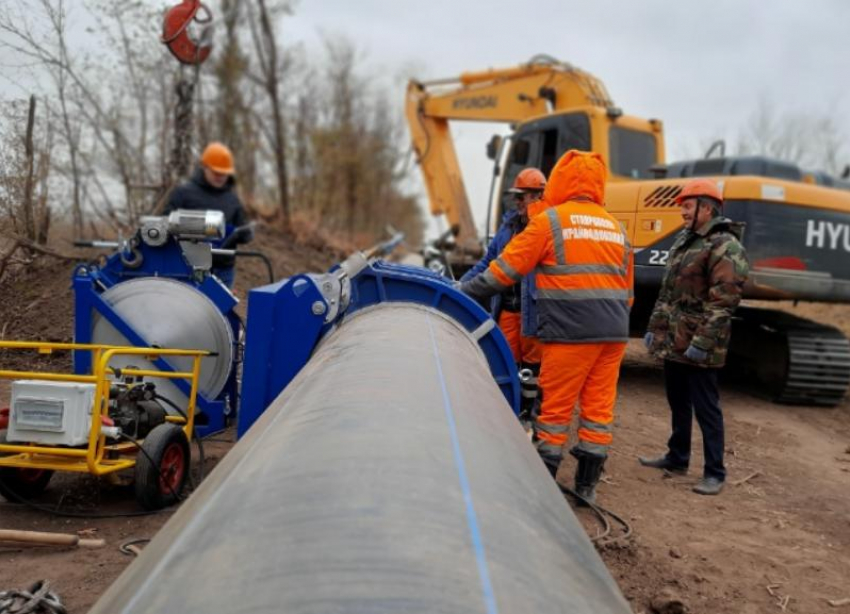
{"x": 588, "y": 472}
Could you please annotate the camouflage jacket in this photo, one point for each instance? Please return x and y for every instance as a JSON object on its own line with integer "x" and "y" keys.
{"x": 702, "y": 286}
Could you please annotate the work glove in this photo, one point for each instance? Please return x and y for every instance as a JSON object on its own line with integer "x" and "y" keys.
{"x": 695, "y": 354}
{"x": 648, "y": 339}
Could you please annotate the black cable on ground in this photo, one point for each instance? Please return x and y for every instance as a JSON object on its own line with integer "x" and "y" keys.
{"x": 67, "y": 514}
{"x": 599, "y": 514}
{"x": 125, "y": 548}
{"x": 601, "y": 539}
{"x": 88, "y": 515}
{"x": 552, "y": 464}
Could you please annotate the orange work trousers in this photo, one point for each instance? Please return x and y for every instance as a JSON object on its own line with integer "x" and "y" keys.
{"x": 525, "y": 349}
{"x": 586, "y": 373}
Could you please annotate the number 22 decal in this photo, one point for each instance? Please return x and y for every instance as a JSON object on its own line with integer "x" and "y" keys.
{"x": 659, "y": 256}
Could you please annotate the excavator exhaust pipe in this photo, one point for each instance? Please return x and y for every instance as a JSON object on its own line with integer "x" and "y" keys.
{"x": 391, "y": 475}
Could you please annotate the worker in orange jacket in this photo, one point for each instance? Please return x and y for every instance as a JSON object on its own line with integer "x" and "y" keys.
{"x": 585, "y": 272}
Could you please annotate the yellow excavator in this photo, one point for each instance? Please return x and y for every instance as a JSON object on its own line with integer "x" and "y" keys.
{"x": 797, "y": 222}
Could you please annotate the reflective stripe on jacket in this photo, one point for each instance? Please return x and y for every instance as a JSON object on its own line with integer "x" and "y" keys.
{"x": 584, "y": 273}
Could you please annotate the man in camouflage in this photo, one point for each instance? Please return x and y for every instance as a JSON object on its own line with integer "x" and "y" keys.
{"x": 690, "y": 328}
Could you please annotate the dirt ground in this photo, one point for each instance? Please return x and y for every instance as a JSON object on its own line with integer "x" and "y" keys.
{"x": 776, "y": 540}
{"x": 778, "y": 537}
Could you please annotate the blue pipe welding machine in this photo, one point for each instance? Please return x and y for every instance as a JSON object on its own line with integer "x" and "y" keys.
{"x": 157, "y": 291}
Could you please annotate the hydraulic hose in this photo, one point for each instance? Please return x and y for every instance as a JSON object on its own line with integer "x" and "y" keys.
{"x": 261, "y": 256}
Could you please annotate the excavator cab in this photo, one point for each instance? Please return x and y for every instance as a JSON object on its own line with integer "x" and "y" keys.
{"x": 631, "y": 147}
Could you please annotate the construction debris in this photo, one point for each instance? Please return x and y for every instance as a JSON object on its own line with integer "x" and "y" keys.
{"x": 37, "y": 599}
{"x": 746, "y": 479}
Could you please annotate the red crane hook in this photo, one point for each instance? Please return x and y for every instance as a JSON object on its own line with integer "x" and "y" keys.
{"x": 175, "y": 31}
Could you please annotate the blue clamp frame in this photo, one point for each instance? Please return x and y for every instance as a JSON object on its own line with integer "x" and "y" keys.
{"x": 167, "y": 262}
{"x": 287, "y": 320}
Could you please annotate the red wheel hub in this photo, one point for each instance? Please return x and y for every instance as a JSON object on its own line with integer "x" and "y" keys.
{"x": 172, "y": 469}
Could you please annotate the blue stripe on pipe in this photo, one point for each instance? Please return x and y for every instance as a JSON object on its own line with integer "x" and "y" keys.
{"x": 471, "y": 518}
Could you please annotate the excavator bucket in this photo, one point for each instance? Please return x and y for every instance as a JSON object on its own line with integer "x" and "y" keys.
{"x": 179, "y": 35}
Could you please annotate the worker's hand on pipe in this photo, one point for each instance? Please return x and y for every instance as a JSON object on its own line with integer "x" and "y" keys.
{"x": 648, "y": 339}
{"x": 695, "y": 354}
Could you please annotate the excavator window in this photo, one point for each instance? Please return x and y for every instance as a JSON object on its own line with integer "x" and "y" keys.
{"x": 632, "y": 152}
{"x": 550, "y": 151}
{"x": 540, "y": 143}
{"x": 521, "y": 152}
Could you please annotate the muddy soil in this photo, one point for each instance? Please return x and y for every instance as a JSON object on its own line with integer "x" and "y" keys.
{"x": 777, "y": 539}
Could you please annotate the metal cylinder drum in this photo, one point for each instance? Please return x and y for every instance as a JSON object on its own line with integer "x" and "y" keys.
{"x": 390, "y": 476}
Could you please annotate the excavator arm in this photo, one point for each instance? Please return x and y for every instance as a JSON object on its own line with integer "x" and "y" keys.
{"x": 515, "y": 94}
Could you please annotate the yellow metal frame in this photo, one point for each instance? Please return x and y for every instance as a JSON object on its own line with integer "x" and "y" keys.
{"x": 93, "y": 458}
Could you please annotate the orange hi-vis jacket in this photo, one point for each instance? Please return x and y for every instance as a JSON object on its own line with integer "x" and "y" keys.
{"x": 584, "y": 264}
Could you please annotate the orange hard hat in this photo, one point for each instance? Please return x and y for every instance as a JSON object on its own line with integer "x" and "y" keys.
{"x": 700, "y": 187}
{"x": 218, "y": 157}
{"x": 528, "y": 180}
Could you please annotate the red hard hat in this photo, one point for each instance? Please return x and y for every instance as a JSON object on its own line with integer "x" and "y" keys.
{"x": 700, "y": 187}
{"x": 217, "y": 157}
{"x": 528, "y": 180}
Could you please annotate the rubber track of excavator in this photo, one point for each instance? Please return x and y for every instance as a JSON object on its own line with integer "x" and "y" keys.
{"x": 789, "y": 359}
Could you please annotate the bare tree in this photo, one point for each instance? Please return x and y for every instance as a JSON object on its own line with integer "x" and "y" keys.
{"x": 235, "y": 122}
{"x": 75, "y": 97}
{"x": 29, "y": 179}
{"x": 812, "y": 140}
{"x": 351, "y": 149}
{"x": 52, "y": 52}
{"x": 273, "y": 65}
{"x": 328, "y": 141}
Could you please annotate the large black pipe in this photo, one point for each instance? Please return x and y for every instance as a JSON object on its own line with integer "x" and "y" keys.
{"x": 390, "y": 476}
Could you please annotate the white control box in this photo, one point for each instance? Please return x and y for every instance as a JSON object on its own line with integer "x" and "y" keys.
{"x": 52, "y": 413}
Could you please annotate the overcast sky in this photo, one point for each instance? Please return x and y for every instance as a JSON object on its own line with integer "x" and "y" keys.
{"x": 700, "y": 66}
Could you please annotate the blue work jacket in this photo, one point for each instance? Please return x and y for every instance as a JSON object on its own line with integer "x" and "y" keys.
{"x": 510, "y": 226}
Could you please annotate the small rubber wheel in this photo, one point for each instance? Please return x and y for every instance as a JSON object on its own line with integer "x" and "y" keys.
{"x": 25, "y": 483}
{"x": 162, "y": 467}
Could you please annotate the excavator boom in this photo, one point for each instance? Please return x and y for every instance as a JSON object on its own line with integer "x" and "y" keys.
{"x": 511, "y": 94}
{"x": 543, "y": 87}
